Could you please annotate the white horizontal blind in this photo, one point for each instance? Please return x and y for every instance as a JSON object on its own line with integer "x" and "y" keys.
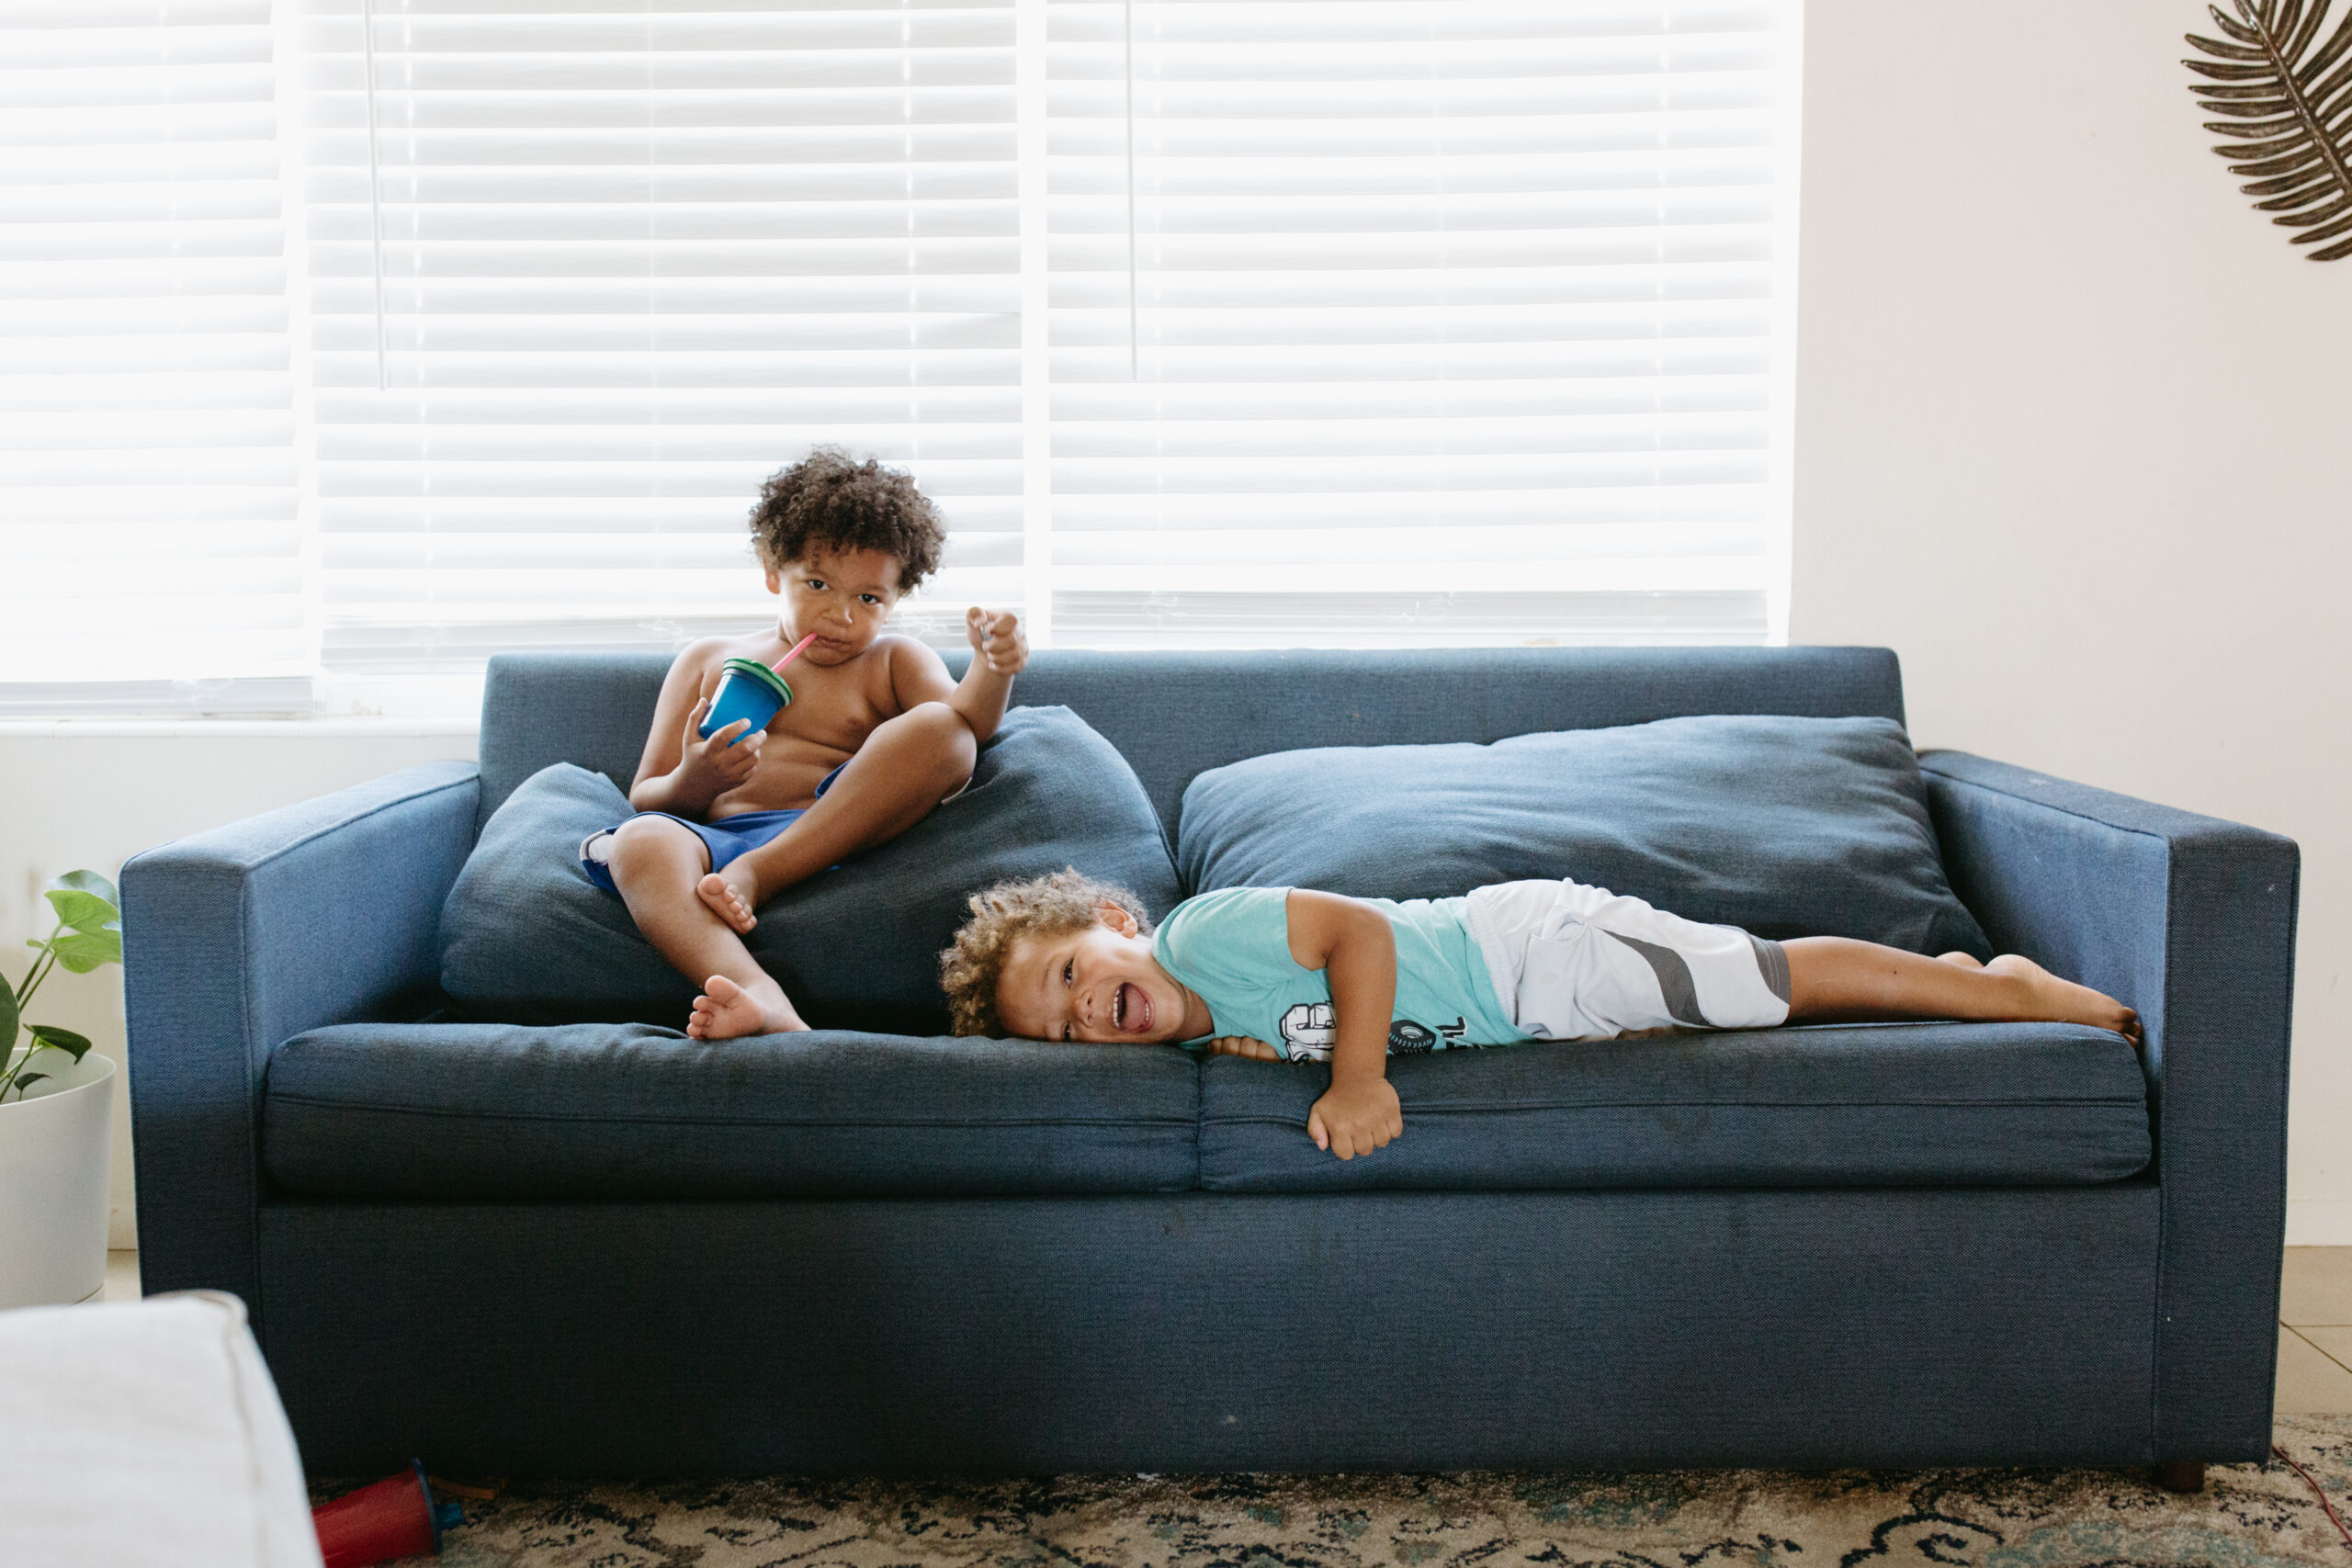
{"x": 1441, "y": 320}
{"x": 151, "y": 555}
{"x": 635, "y": 258}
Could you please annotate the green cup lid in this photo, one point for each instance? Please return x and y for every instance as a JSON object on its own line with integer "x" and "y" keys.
{"x": 753, "y": 669}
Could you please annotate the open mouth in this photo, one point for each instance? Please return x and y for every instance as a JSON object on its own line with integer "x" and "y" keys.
{"x": 1124, "y": 1008}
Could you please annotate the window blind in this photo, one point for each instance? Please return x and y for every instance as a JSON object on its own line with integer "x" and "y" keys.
{"x": 633, "y": 259}
{"x": 151, "y": 543}
{"x": 1385, "y": 321}
{"x": 1208, "y": 321}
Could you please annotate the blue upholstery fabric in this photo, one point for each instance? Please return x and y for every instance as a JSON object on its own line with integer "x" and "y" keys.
{"x": 2191, "y": 921}
{"x": 475, "y": 1111}
{"x": 1924, "y": 1104}
{"x": 234, "y": 940}
{"x": 1785, "y": 827}
{"x": 592, "y": 710}
{"x": 525, "y": 935}
{"x": 1213, "y": 1332}
{"x": 528, "y": 939}
{"x": 1174, "y": 715}
{"x": 2107, "y": 1323}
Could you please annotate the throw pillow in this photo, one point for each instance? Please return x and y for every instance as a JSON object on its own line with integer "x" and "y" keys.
{"x": 527, "y": 939}
{"x": 1787, "y": 826}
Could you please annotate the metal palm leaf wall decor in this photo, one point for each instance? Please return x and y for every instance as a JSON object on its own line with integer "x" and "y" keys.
{"x": 2289, "y": 100}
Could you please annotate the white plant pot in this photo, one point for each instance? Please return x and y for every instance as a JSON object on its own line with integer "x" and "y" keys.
{"x": 54, "y": 1161}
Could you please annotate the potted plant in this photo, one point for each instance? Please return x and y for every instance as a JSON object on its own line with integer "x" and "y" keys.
{"x": 56, "y": 1105}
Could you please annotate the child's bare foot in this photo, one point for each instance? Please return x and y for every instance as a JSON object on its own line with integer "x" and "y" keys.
{"x": 2063, "y": 1001}
{"x": 732, "y": 895}
{"x": 1960, "y": 960}
{"x": 725, "y": 1010}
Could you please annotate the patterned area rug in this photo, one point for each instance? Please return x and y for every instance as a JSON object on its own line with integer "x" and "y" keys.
{"x": 2248, "y": 1516}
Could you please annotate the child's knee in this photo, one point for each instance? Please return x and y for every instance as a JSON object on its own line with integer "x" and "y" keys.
{"x": 939, "y": 731}
{"x": 650, "y": 846}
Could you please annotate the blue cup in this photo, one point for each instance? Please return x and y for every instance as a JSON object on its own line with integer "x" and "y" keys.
{"x": 747, "y": 689}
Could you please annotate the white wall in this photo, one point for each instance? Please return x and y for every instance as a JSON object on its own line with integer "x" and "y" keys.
{"x": 2075, "y": 437}
{"x": 74, "y": 795}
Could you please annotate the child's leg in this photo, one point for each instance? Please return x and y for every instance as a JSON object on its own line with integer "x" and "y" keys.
{"x": 898, "y": 777}
{"x": 1835, "y": 979}
{"x": 656, "y": 864}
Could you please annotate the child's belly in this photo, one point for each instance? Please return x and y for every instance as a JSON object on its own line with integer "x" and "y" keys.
{"x": 790, "y": 768}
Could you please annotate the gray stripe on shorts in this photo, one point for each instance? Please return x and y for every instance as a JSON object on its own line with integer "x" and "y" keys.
{"x": 1773, "y": 960}
{"x": 1673, "y": 979}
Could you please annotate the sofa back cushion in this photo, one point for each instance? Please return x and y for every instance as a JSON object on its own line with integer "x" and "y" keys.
{"x": 1786, "y": 827}
{"x": 1175, "y": 714}
{"x": 527, "y": 939}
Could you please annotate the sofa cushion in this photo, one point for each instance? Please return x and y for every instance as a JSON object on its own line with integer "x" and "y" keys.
{"x": 1856, "y": 1105}
{"x": 628, "y": 1111}
{"x": 528, "y": 937}
{"x": 1784, "y": 826}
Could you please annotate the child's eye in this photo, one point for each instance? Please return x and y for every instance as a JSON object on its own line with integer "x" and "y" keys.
{"x": 1067, "y": 964}
{"x": 818, "y": 583}
{"x": 871, "y": 598}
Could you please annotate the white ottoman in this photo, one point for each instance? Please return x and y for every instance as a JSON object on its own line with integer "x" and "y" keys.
{"x": 146, "y": 1432}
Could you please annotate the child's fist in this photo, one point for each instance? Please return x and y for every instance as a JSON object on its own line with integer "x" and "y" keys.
{"x": 998, "y": 639}
{"x": 1356, "y": 1117}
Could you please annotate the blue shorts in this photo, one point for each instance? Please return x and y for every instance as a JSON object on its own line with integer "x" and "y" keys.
{"x": 726, "y": 839}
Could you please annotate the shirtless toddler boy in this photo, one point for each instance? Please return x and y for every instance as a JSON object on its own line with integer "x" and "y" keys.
{"x": 875, "y": 738}
{"x": 1289, "y": 972}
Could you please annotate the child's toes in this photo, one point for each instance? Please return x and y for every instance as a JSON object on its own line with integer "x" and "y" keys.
{"x": 724, "y": 902}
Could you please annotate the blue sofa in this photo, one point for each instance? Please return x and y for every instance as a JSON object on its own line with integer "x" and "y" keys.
{"x": 598, "y": 1248}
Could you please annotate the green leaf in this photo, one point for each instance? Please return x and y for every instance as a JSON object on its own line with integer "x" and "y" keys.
{"x": 65, "y": 1040}
{"x": 89, "y": 882}
{"x": 7, "y": 1023}
{"x": 83, "y": 912}
{"x": 84, "y": 900}
{"x": 84, "y": 951}
{"x": 27, "y": 1078}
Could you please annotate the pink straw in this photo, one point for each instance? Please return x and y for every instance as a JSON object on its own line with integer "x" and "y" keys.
{"x": 804, "y": 642}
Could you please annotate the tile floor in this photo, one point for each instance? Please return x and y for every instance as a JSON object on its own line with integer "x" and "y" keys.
{"x": 2315, "y": 1331}
{"x": 2315, "y": 1326}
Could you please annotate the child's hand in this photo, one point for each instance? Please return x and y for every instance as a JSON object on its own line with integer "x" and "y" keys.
{"x": 1242, "y": 1045}
{"x": 1356, "y": 1116}
{"x": 708, "y": 769}
{"x": 999, "y": 639}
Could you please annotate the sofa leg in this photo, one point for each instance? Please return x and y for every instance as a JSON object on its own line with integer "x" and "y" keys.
{"x": 2181, "y": 1474}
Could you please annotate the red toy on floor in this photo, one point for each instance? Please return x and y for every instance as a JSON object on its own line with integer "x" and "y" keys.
{"x": 395, "y": 1517}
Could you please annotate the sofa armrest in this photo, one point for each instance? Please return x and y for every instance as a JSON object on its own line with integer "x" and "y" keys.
{"x": 237, "y": 939}
{"x": 2191, "y": 919}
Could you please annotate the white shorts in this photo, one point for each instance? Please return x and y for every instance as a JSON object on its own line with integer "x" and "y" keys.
{"x": 1577, "y": 962}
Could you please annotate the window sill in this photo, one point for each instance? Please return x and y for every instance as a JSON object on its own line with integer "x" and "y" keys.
{"x": 342, "y": 728}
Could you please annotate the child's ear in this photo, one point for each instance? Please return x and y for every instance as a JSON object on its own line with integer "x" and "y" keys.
{"x": 1118, "y": 919}
{"x": 776, "y": 580}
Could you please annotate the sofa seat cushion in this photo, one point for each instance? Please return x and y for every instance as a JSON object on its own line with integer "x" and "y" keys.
{"x": 1856, "y": 1105}
{"x": 1784, "y": 826}
{"x": 628, "y": 1111}
{"x": 526, "y": 938}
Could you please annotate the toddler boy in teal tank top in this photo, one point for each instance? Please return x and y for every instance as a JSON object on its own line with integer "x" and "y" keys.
{"x": 1232, "y": 949}
{"x": 1294, "y": 973}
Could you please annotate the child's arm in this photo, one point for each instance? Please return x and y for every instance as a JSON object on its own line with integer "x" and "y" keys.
{"x": 1000, "y": 651}
{"x": 680, "y": 772}
{"x": 1352, "y": 944}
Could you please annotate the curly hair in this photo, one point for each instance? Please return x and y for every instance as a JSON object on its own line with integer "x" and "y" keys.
{"x": 831, "y": 499}
{"x": 1042, "y": 905}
